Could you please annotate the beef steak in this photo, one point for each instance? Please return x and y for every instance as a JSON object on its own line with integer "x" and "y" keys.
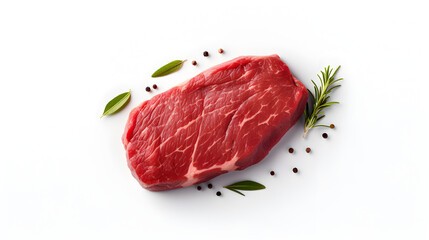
{"x": 225, "y": 118}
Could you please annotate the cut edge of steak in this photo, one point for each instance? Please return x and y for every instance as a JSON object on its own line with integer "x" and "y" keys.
{"x": 193, "y": 174}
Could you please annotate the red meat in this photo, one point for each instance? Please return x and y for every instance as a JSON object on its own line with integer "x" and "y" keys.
{"x": 224, "y": 119}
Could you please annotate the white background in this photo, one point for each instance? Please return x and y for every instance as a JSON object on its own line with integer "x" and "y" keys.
{"x": 63, "y": 172}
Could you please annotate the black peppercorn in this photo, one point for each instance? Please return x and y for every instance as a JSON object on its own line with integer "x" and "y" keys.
{"x": 155, "y": 86}
{"x": 206, "y": 54}
{"x": 194, "y": 63}
{"x": 290, "y": 150}
{"x": 199, "y": 188}
{"x": 210, "y": 186}
{"x": 218, "y": 193}
{"x": 147, "y": 89}
{"x": 325, "y": 135}
{"x": 272, "y": 173}
{"x": 295, "y": 170}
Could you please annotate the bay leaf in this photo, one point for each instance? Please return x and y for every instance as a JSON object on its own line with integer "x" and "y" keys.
{"x": 117, "y": 103}
{"x": 245, "y": 186}
{"x": 168, "y": 68}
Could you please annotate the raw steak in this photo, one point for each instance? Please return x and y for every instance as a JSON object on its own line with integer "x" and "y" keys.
{"x": 225, "y": 118}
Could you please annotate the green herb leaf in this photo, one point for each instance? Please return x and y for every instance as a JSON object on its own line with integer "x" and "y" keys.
{"x": 232, "y": 189}
{"x": 168, "y": 68}
{"x": 245, "y": 186}
{"x": 318, "y": 100}
{"x": 117, "y": 103}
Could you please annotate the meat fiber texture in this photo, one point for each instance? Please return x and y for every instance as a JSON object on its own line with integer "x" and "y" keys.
{"x": 224, "y": 119}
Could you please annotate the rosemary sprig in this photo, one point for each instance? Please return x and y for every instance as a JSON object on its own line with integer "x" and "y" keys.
{"x": 320, "y": 99}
